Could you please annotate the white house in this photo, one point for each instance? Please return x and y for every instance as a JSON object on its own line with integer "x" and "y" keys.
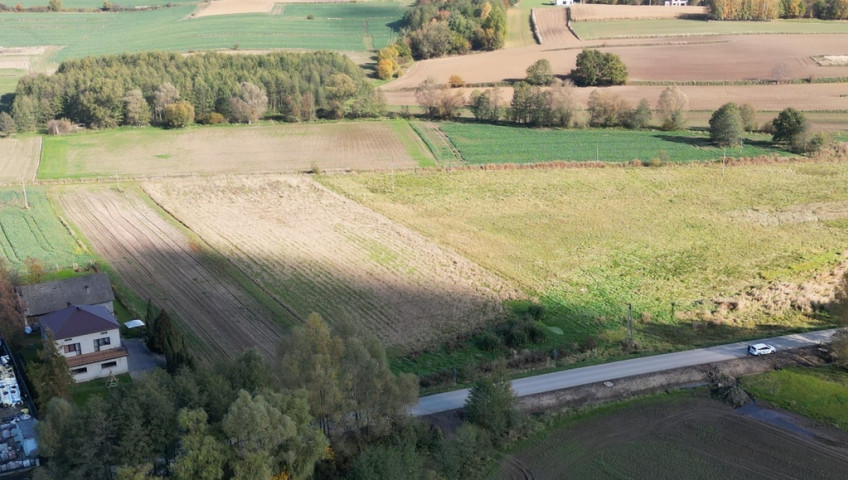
{"x": 88, "y": 336}
{"x": 564, "y": 3}
{"x": 676, "y": 3}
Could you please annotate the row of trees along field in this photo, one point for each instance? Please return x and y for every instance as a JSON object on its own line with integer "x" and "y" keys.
{"x": 135, "y": 89}
{"x": 772, "y": 9}
{"x": 435, "y": 28}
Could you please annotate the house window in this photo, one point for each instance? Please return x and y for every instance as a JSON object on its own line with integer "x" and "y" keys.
{"x": 73, "y": 348}
{"x": 106, "y": 365}
{"x": 77, "y": 371}
{"x": 99, "y": 342}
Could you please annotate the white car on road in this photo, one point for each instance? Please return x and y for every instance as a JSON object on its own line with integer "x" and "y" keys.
{"x": 760, "y": 349}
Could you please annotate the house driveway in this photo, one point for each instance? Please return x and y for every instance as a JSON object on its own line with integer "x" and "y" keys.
{"x": 141, "y": 360}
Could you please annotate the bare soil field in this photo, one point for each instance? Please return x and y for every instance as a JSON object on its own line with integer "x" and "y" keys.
{"x": 680, "y": 436}
{"x": 241, "y": 149}
{"x": 19, "y": 58}
{"x": 598, "y": 12}
{"x": 19, "y": 160}
{"x": 766, "y": 98}
{"x": 551, "y": 25}
{"x": 158, "y": 261}
{"x": 678, "y": 59}
{"x": 320, "y": 252}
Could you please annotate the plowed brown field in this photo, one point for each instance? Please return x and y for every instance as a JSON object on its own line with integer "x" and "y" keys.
{"x": 675, "y": 59}
{"x": 156, "y": 260}
{"x": 551, "y": 25}
{"x": 19, "y": 160}
{"x": 595, "y": 11}
{"x": 320, "y": 252}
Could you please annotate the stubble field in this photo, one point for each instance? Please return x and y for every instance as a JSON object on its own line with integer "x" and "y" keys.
{"x": 319, "y": 252}
{"x": 160, "y": 262}
{"x": 251, "y": 149}
{"x": 19, "y": 160}
{"x": 600, "y": 12}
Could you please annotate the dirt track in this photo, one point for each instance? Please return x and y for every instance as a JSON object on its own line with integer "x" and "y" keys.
{"x": 157, "y": 261}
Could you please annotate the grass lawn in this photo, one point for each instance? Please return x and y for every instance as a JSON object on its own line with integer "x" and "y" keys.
{"x": 818, "y": 393}
{"x": 82, "y": 392}
{"x": 660, "y": 27}
{"x": 98, "y": 4}
{"x": 342, "y": 26}
{"x": 9, "y": 79}
{"x": 482, "y": 143}
{"x": 519, "y": 33}
{"x": 36, "y": 232}
{"x": 588, "y": 242}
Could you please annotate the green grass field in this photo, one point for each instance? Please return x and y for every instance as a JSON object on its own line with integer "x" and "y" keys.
{"x": 9, "y": 79}
{"x": 98, "y": 4}
{"x": 519, "y": 33}
{"x": 819, "y": 393}
{"x": 35, "y": 232}
{"x": 482, "y": 144}
{"x": 335, "y": 27}
{"x": 653, "y": 28}
{"x": 587, "y": 242}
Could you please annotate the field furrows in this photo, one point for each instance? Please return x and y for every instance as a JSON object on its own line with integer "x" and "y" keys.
{"x": 19, "y": 160}
{"x": 157, "y": 261}
{"x": 593, "y": 11}
{"x": 320, "y": 252}
{"x": 551, "y": 24}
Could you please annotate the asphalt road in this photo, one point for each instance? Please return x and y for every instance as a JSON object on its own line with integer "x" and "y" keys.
{"x": 626, "y": 368}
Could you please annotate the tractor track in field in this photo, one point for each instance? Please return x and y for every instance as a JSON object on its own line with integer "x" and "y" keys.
{"x": 158, "y": 261}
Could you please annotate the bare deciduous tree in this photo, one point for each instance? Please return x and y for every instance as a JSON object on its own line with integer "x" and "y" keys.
{"x": 249, "y": 104}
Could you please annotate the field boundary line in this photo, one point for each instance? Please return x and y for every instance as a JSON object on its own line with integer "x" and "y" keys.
{"x": 535, "y": 25}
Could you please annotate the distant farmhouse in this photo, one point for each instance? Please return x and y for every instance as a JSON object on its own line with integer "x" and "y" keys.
{"x": 80, "y": 314}
{"x": 564, "y": 3}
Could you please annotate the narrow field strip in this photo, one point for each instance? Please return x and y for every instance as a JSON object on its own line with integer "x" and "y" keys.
{"x": 320, "y": 252}
{"x": 19, "y": 159}
{"x": 157, "y": 261}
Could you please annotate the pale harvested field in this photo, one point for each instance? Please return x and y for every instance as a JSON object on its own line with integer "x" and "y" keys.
{"x": 598, "y": 12}
{"x": 806, "y": 97}
{"x": 551, "y": 24}
{"x": 318, "y": 251}
{"x": 253, "y": 149}
{"x": 19, "y": 158}
{"x": 19, "y": 58}
{"x": 156, "y": 260}
{"x": 231, "y": 7}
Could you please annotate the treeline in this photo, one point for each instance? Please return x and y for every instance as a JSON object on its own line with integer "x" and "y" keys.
{"x": 772, "y": 9}
{"x": 136, "y": 89}
{"x": 435, "y": 28}
{"x": 327, "y": 396}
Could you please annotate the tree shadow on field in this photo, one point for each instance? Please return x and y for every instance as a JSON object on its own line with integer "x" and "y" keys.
{"x": 706, "y": 143}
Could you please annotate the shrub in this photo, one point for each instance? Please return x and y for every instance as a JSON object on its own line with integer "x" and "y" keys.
{"x": 179, "y": 115}
{"x": 7, "y": 124}
{"x": 59, "y": 127}
{"x": 310, "y": 17}
{"x": 726, "y": 125}
{"x": 535, "y": 332}
{"x": 489, "y": 342}
{"x": 213, "y": 118}
{"x": 790, "y": 128}
{"x": 455, "y": 81}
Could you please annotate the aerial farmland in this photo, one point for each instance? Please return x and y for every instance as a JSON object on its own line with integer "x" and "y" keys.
{"x": 248, "y": 166}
